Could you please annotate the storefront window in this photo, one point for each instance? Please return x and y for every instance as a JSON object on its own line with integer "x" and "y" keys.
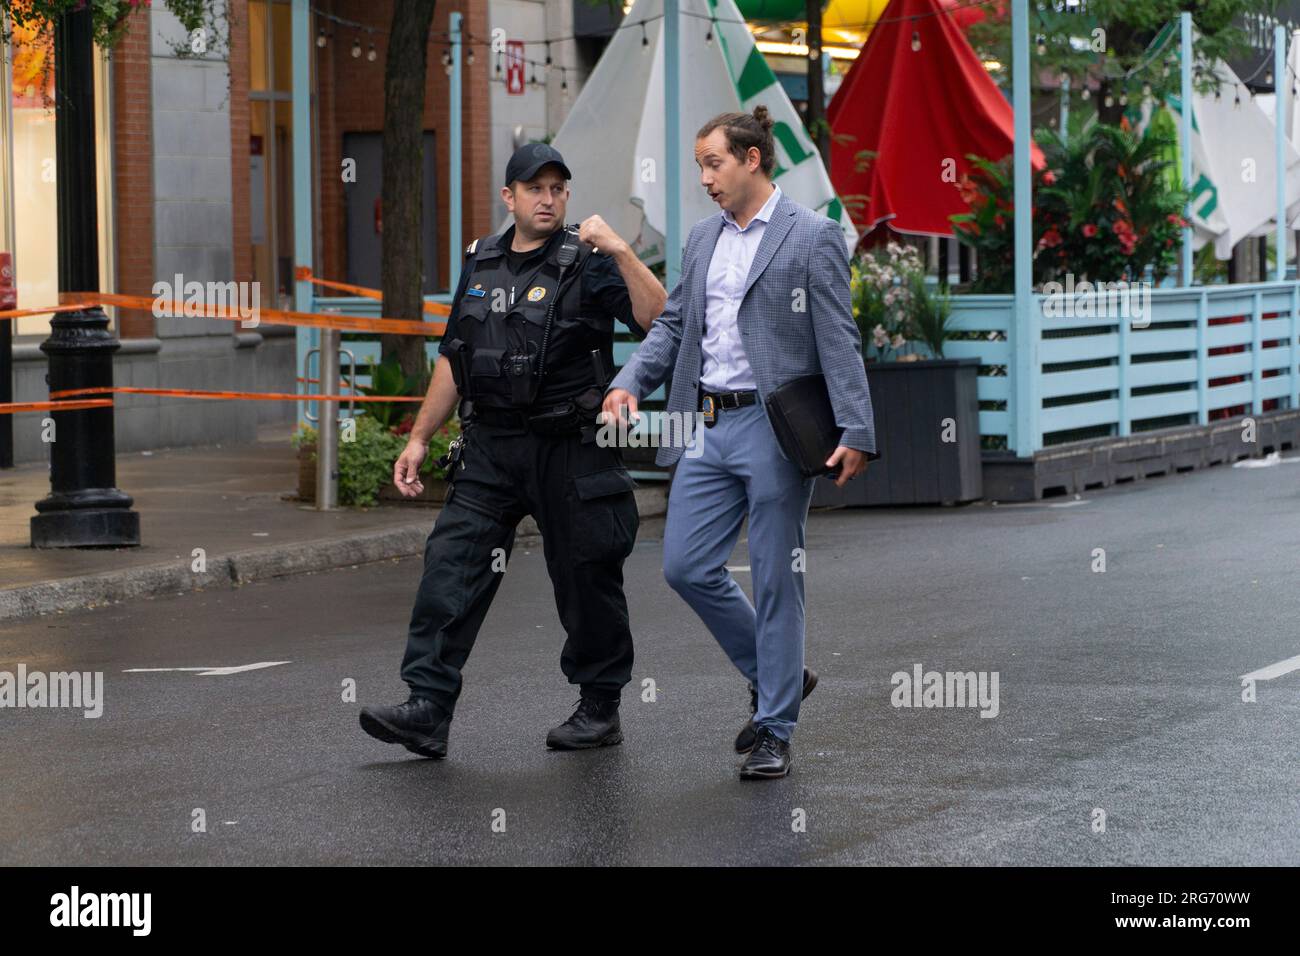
{"x": 29, "y": 227}
{"x": 271, "y": 146}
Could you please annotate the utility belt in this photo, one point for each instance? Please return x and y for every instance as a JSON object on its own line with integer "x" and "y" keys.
{"x": 572, "y": 417}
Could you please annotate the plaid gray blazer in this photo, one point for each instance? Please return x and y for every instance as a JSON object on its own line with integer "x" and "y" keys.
{"x": 795, "y": 319}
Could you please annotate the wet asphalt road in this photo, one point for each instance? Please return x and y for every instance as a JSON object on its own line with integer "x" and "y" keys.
{"x": 1118, "y": 691}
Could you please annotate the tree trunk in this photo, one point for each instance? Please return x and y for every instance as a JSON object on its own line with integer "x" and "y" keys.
{"x": 402, "y": 256}
{"x": 816, "y": 94}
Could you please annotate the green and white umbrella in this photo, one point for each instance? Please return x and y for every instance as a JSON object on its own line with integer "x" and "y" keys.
{"x": 613, "y": 139}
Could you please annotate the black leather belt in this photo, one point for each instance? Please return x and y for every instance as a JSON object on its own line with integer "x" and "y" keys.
{"x": 730, "y": 399}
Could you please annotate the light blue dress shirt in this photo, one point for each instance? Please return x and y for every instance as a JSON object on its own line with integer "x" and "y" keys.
{"x": 725, "y": 367}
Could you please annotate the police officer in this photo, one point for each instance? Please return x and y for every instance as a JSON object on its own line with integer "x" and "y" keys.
{"x": 527, "y": 354}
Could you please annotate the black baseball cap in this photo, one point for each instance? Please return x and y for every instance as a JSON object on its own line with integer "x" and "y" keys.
{"x": 528, "y": 159}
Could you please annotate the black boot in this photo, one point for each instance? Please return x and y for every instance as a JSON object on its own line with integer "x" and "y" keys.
{"x": 770, "y": 757}
{"x": 745, "y": 739}
{"x": 593, "y": 724}
{"x": 419, "y": 725}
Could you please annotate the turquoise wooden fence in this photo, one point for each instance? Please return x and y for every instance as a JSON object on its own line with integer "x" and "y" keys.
{"x": 1114, "y": 365}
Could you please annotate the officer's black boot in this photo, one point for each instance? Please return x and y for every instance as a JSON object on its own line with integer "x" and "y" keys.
{"x": 419, "y": 725}
{"x": 593, "y": 724}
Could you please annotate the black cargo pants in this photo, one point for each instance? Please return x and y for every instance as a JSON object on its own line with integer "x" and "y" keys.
{"x": 581, "y": 497}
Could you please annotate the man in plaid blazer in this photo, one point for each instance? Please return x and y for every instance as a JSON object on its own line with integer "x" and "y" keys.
{"x": 763, "y": 299}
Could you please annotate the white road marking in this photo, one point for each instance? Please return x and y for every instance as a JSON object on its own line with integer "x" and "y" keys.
{"x": 1067, "y": 504}
{"x": 207, "y": 671}
{"x": 739, "y": 567}
{"x": 1274, "y": 670}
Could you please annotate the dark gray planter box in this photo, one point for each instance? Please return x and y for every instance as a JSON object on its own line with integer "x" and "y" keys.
{"x": 916, "y": 467}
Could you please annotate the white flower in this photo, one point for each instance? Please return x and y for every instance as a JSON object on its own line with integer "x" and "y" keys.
{"x": 879, "y": 336}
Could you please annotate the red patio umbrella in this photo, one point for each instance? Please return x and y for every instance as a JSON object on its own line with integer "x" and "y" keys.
{"x": 920, "y": 99}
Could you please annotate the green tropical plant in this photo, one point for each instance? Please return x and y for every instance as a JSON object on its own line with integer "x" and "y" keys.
{"x": 931, "y": 311}
{"x": 1107, "y": 211}
{"x": 388, "y": 379}
{"x": 1103, "y": 210}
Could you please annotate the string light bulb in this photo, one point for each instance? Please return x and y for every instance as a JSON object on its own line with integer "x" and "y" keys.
{"x": 1086, "y": 94}
{"x": 916, "y": 40}
{"x": 371, "y": 53}
{"x": 320, "y": 39}
{"x": 645, "y": 40}
{"x": 708, "y": 37}
{"x": 1042, "y": 44}
{"x": 356, "y": 48}
{"x": 1110, "y": 100}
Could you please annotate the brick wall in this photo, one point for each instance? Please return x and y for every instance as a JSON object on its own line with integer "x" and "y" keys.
{"x": 239, "y": 146}
{"x": 133, "y": 173}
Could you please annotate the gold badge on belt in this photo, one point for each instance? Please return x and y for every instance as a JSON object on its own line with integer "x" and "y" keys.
{"x": 707, "y": 409}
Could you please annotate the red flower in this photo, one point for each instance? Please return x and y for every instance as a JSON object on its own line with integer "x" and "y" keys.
{"x": 1089, "y": 230}
{"x": 1050, "y": 239}
{"x": 999, "y": 220}
{"x": 1119, "y": 204}
{"x": 1049, "y": 177}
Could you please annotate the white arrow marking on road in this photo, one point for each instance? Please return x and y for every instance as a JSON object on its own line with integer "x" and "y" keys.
{"x": 207, "y": 671}
{"x": 1274, "y": 670}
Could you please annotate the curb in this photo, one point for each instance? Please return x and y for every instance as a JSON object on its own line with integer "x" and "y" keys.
{"x": 241, "y": 567}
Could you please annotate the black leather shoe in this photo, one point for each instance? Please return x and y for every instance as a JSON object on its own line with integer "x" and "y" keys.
{"x": 419, "y": 725}
{"x": 745, "y": 739}
{"x": 770, "y": 757}
{"x": 593, "y": 724}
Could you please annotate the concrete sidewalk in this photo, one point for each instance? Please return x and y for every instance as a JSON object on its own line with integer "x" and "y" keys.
{"x": 234, "y": 502}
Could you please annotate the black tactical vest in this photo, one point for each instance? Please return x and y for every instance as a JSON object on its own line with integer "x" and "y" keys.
{"x": 502, "y": 319}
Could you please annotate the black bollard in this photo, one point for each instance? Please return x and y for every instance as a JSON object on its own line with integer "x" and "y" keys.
{"x": 84, "y": 508}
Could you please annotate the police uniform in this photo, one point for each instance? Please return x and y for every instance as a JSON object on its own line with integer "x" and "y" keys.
{"x": 520, "y": 338}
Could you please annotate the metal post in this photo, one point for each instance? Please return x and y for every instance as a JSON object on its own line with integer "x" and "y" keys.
{"x": 1185, "y": 125}
{"x": 1280, "y": 86}
{"x": 1065, "y": 107}
{"x": 456, "y": 119}
{"x": 327, "y": 429}
{"x": 84, "y": 508}
{"x": 1024, "y": 337}
{"x": 7, "y": 244}
{"x": 303, "y": 252}
{"x": 672, "y": 144}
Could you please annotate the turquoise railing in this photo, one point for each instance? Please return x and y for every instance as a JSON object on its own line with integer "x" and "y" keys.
{"x": 1173, "y": 356}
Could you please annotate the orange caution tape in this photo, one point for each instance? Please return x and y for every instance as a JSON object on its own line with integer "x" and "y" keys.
{"x": 235, "y": 396}
{"x": 72, "y": 301}
{"x": 303, "y": 274}
{"x": 13, "y": 408}
{"x": 22, "y": 313}
{"x": 344, "y": 323}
